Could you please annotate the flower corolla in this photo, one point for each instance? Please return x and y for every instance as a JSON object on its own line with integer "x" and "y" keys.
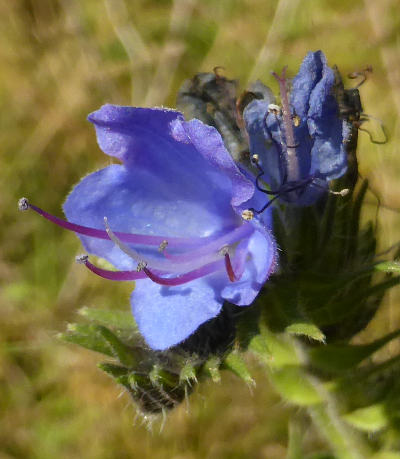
{"x": 300, "y": 145}
{"x": 170, "y": 217}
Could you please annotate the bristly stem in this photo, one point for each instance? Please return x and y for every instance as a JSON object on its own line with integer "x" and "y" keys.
{"x": 345, "y": 442}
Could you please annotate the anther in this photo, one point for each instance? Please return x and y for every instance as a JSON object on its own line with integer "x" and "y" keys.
{"x": 82, "y": 259}
{"x": 255, "y": 159}
{"x": 296, "y": 120}
{"x": 247, "y": 215}
{"x": 163, "y": 246}
{"x": 23, "y": 204}
{"x": 141, "y": 266}
{"x": 224, "y": 250}
{"x": 342, "y": 193}
{"x": 275, "y": 109}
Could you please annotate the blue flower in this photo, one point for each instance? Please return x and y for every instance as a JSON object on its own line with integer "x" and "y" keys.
{"x": 177, "y": 215}
{"x": 301, "y": 145}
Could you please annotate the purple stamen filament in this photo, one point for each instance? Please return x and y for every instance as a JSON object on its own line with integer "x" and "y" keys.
{"x": 167, "y": 281}
{"x": 186, "y": 277}
{"x": 115, "y": 275}
{"x": 229, "y": 268}
{"x": 214, "y": 246}
{"x": 192, "y": 262}
{"x": 202, "y": 261}
{"x": 125, "y": 237}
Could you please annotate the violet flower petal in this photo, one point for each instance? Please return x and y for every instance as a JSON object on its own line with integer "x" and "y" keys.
{"x": 166, "y": 316}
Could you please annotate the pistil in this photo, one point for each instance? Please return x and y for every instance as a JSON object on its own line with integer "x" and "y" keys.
{"x": 293, "y": 169}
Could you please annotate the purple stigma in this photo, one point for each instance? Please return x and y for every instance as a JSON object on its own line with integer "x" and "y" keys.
{"x": 292, "y": 160}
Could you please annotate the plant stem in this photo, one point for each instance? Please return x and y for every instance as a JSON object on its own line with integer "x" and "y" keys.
{"x": 344, "y": 440}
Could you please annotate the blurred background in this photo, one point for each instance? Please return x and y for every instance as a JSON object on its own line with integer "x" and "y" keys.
{"x": 62, "y": 59}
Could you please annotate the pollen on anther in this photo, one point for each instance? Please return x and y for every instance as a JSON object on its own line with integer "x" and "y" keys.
{"x": 296, "y": 120}
{"x": 247, "y": 215}
{"x": 344, "y": 192}
{"x": 255, "y": 158}
{"x": 82, "y": 259}
{"x": 163, "y": 246}
{"x": 273, "y": 108}
{"x": 23, "y": 204}
{"x": 141, "y": 265}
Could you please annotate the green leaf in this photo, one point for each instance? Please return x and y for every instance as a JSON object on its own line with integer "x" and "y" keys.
{"x": 342, "y": 357}
{"x": 370, "y": 419}
{"x": 388, "y": 267}
{"x": 86, "y": 336}
{"x": 110, "y": 318}
{"x": 292, "y": 383}
{"x": 235, "y": 363}
{"x": 306, "y": 329}
{"x": 119, "y": 350}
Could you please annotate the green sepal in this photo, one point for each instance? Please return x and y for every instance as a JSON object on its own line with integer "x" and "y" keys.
{"x": 343, "y": 357}
{"x": 235, "y": 363}
{"x": 188, "y": 373}
{"x": 211, "y": 368}
{"x": 86, "y": 336}
{"x": 369, "y": 419}
{"x": 274, "y": 349}
{"x": 118, "y": 349}
{"x": 117, "y": 372}
{"x": 159, "y": 376}
{"x": 109, "y": 318}
{"x": 306, "y": 329}
{"x": 154, "y": 397}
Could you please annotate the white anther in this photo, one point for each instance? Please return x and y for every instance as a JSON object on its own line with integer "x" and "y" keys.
{"x": 23, "y": 204}
{"x": 141, "y": 265}
{"x": 82, "y": 259}
{"x": 273, "y": 108}
{"x": 296, "y": 120}
{"x": 162, "y": 246}
{"x": 342, "y": 193}
{"x": 255, "y": 159}
{"x": 223, "y": 250}
{"x": 247, "y": 215}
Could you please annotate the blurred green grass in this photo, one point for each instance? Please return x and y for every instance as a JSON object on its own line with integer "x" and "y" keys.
{"x": 60, "y": 60}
